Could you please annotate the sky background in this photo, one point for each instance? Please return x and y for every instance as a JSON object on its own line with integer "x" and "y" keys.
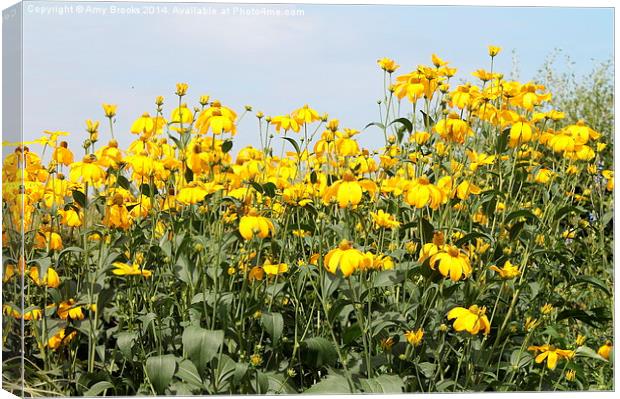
{"x": 326, "y": 58}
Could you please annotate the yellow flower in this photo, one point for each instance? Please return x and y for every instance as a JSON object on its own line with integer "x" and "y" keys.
{"x": 50, "y": 279}
{"x": 520, "y": 132}
{"x": 301, "y": 233}
{"x": 218, "y": 118}
{"x": 570, "y": 375}
{"x": 465, "y": 188}
{"x": 285, "y": 122}
{"x": 508, "y": 271}
{"x": 388, "y": 65}
{"x": 452, "y": 262}
{"x": 438, "y": 62}
{"x": 251, "y": 226}
{"x": 60, "y": 338}
{"x": 453, "y": 128}
{"x": 62, "y": 154}
{"x": 109, "y": 110}
{"x": 274, "y": 270}
{"x": 415, "y": 337}
{"x": 471, "y": 320}
{"x": 305, "y": 114}
{"x": 420, "y": 137}
{"x": 51, "y": 239}
{"x": 181, "y": 89}
{"x": 546, "y": 308}
{"x": 385, "y": 220}
{"x": 478, "y": 159}
{"x": 33, "y": 314}
{"x": 71, "y": 217}
{"x": 348, "y": 191}
{"x": 182, "y": 114}
{"x": 346, "y": 259}
{"x": 123, "y": 269}
{"x": 609, "y": 175}
{"x": 143, "y": 125}
{"x": 551, "y": 353}
{"x": 256, "y": 273}
{"x": 422, "y": 192}
{"x": 87, "y": 171}
{"x": 191, "y": 194}
{"x": 494, "y": 50}
{"x": 543, "y": 176}
{"x": 580, "y": 340}
{"x": 68, "y": 309}
{"x": 256, "y": 359}
{"x": 605, "y": 350}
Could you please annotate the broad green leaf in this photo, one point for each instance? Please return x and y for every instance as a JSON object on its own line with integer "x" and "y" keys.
{"x": 294, "y": 143}
{"x": 388, "y": 278}
{"x": 586, "y": 351}
{"x": 79, "y": 197}
{"x": 98, "y": 388}
{"x": 189, "y": 373}
{"x": 427, "y": 369}
{"x": 405, "y": 122}
{"x": 227, "y": 146}
{"x": 377, "y": 124}
{"x": 201, "y": 345}
{"x": 332, "y": 384}
{"x": 273, "y": 323}
{"x": 160, "y": 370}
{"x": 591, "y": 280}
{"x": 318, "y": 352}
{"x": 383, "y": 384}
{"x": 125, "y": 341}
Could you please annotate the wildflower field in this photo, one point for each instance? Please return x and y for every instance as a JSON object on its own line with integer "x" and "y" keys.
{"x": 471, "y": 250}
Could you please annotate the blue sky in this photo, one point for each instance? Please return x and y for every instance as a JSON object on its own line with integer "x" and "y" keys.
{"x": 326, "y": 58}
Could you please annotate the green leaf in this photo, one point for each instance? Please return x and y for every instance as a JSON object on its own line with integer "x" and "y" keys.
{"x": 502, "y": 141}
{"x": 405, "y": 122}
{"x": 227, "y": 146}
{"x": 333, "y": 384}
{"x": 125, "y": 341}
{"x": 257, "y": 187}
{"x": 277, "y": 384}
{"x": 566, "y": 210}
{"x": 388, "y": 278}
{"x": 428, "y": 121}
{"x": 294, "y": 143}
{"x": 123, "y": 182}
{"x": 80, "y": 198}
{"x": 471, "y": 237}
{"x": 270, "y": 189}
{"x": 383, "y": 384}
{"x": 522, "y": 213}
{"x": 377, "y": 124}
{"x": 241, "y": 370}
{"x": 586, "y": 351}
{"x": 273, "y": 323}
{"x": 189, "y": 373}
{"x": 201, "y": 345}
{"x": 147, "y": 190}
{"x": 189, "y": 174}
{"x": 160, "y": 370}
{"x": 585, "y": 316}
{"x": 318, "y": 352}
{"x": 427, "y": 369}
{"x": 594, "y": 282}
{"x": 427, "y": 230}
{"x": 515, "y": 229}
{"x": 520, "y": 359}
{"x": 98, "y": 388}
